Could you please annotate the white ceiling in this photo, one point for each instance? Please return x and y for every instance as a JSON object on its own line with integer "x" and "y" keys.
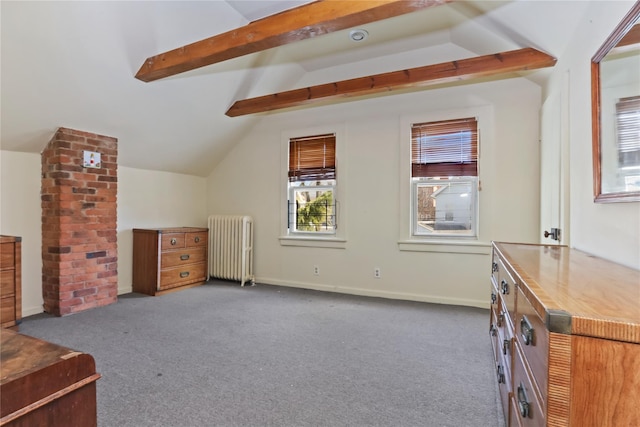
{"x": 72, "y": 64}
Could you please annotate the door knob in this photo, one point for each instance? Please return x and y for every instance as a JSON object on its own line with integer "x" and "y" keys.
{"x": 554, "y": 234}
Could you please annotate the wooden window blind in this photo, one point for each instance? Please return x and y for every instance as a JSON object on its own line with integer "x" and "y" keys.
{"x": 312, "y": 158}
{"x": 628, "y": 127}
{"x": 444, "y": 148}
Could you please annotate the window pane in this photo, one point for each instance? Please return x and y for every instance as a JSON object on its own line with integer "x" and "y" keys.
{"x": 628, "y": 132}
{"x": 445, "y": 206}
{"x": 312, "y": 209}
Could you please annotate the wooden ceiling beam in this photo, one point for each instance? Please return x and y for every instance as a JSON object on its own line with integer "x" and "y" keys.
{"x": 300, "y": 23}
{"x": 447, "y": 72}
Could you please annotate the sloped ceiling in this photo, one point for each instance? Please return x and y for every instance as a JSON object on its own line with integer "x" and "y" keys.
{"x": 72, "y": 64}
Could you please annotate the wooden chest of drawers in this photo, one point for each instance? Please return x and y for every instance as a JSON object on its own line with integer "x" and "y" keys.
{"x": 169, "y": 259}
{"x": 565, "y": 328}
{"x": 10, "y": 281}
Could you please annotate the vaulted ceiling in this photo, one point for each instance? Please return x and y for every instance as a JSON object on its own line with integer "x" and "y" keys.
{"x": 73, "y": 64}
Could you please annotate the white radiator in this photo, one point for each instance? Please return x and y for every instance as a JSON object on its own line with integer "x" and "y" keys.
{"x": 231, "y": 247}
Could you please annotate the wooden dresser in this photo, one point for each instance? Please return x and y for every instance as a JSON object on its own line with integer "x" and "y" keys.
{"x": 44, "y": 384}
{"x": 169, "y": 259}
{"x": 565, "y": 328}
{"x": 10, "y": 281}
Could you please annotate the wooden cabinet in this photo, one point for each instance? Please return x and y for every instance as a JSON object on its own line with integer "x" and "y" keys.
{"x": 44, "y": 384}
{"x": 10, "y": 281}
{"x": 169, "y": 259}
{"x": 565, "y": 328}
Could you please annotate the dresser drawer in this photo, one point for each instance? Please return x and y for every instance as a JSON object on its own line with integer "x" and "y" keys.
{"x": 496, "y": 301}
{"x": 533, "y": 339}
{"x": 503, "y": 376}
{"x": 172, "y": 241}
{"x": 7, "y": 310}
{"x": 7, "y": 256}
{"x": 495, "y": 267}
{"x": 507, "y": 288}
{"x": 183, "y": 257}
{"x": 529, "y": 411}
{"x": 177, "y": 276}
{"x": 503, "y": 323}
{"x": 514, "y": 413}
{"x": 493, "y": 332}
{"x": 7, "y": 283}
{"x": 198, "y": 239}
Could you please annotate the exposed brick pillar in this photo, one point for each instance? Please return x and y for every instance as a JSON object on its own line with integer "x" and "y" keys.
{"x": 79, "y": 234}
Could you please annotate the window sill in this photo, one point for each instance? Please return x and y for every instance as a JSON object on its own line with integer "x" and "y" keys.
{"x": 313, "y": 242}
{"x": 453, "y": 247}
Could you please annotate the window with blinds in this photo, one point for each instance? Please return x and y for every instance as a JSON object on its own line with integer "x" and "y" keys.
{"x": 444, "y": 172}
{"x": 312, "y": 184}
{"x": 628, "y": 130}
{"x": 444, "y": 148}
{"x": 312, "y": 158}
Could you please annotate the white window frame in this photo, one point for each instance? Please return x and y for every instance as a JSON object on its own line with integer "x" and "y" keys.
{"x": 337, "y": 238}
{"x": 408, "y": 240}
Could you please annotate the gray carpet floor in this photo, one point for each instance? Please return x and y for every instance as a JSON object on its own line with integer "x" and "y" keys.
{"x": 222, "y": 355}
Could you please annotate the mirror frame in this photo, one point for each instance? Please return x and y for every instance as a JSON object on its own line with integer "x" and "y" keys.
{"x": 621, "y": 30}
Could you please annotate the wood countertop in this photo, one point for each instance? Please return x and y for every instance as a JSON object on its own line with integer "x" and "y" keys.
{"x": 593, "y": 296}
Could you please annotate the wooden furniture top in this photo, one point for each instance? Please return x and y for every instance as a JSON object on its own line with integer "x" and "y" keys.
{"x": 10, "y": 239}
{"x": 172, "y": 230}
{"x": 577, "y": 293}
{"x": 33, "y": 371}
{"x": 22, "y": 355}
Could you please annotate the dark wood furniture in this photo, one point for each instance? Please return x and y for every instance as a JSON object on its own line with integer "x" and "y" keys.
{"x": 44, "y": 384}
{"x": 169, "y": 259}
{"x": 565, "y": 328}
{"x": 10, "y": 281}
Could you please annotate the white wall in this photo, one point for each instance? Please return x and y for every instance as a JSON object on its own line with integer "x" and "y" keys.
{"x": 20, "y": 215}
{"x": 152, "y": 199}
{"x": 249, "y": 181}
{"x": 612, "y": 230}
{"x": 146, "y": 199}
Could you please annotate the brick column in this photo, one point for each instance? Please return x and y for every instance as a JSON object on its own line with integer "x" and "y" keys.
{"x": 79, "y": 229}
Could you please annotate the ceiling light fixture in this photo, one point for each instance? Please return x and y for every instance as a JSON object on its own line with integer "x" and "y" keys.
{"x": 358, "y": 35}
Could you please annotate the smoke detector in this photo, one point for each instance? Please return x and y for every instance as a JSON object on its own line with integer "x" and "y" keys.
{"x": 358, "y": 35}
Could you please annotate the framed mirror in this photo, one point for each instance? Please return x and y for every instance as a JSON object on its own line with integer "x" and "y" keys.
{"x": 615, "y": 102}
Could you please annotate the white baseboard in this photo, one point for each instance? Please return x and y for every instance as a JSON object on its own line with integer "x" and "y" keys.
{"x": 377, "y": 293}
{"x": 125, "y": 290}
{"x": 30, "y": 311}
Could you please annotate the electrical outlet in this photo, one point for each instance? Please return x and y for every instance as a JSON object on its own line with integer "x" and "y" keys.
{"x": 376, "y": 273}
{"x": 316, "y": 270}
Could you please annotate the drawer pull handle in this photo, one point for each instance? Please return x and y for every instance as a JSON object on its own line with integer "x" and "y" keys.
{"x": 184, "y": 257}
{"x": 174, "y": 241}
{"x": 494, "y": 267}
{"x": 197, "y": 239}
{"x": 523, "y": 401}
{"x": 526, "y": 331}
{"x": 500, "y": 319}
{"x": 505, "y": 287}
{"x": 493, "y": 330}
{"x": 494, "y": 298}
{"x": 505, "y": 346}
{"x": 500, "y": 372}
{"x": 184, "y": 274}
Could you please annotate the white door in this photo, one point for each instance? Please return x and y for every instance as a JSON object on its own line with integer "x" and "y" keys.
{"x": 554, "y": 172}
